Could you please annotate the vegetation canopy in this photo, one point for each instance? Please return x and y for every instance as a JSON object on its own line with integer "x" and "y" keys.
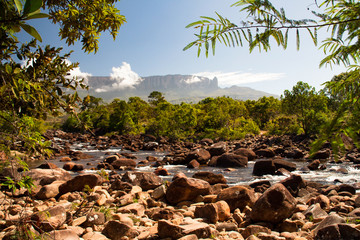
{"x": 266, "y": 25}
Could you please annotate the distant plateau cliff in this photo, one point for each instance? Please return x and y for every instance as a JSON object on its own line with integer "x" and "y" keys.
{"x": 176, "y": 88}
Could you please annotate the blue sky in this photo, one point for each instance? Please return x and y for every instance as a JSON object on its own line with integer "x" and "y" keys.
{"x": 151, "y": 43}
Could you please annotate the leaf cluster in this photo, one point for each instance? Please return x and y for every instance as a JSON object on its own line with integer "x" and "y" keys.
{"x": 85, "y": 20}
{"x": 264, "y": 22}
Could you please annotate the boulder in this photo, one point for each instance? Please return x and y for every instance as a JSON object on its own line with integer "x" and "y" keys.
{"x": 315, "y": 212}
{"x": 186, "y": 189}
{"x": 111, "y": 158}
{"x": 71, "y": 166}
{"x": 338, "y": 231}
{"x": 55, "y": 174}
{"x": 314, "y": 165}
{"x": 166, "y": 229}
{"x": 254, "y": 230}
{"x": 123, "y": 162}
{"x": 67, "y": 234}
{"x": 201, "y": 155}
{"x": 78, "y": 183}
{"x": 94, "y": 235}
{"x": 231, "y": 160}
{"x": 50, "y": 219}
{"x": 321, "y": 154}
{"x": 274, "y": 205}
{"x": 332, "y": 219}
{"x": 146, "y": 180}
{"x": 217, "y": 149}
{"x": 94, "y": 218}
{"x": 213, "y": 212}
{"x": 49, "y": 191}
{"x": 157, "y": 214}
{"x": 237, "y": 197}
{"x": 265, "y": 153}
{"x": 293, "y": 184}
{"x": 116, "y": 230}
{"x": 264, "y": 167}
{"x": 246, "y": 152}
{"x": 47, "y": 165}
{"x": 193, "y": 164}
{"x": 210, "y": 177}
{"x": 279, "y": 163}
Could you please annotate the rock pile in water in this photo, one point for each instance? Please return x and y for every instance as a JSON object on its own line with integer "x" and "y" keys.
{"x": 139, "y": 205}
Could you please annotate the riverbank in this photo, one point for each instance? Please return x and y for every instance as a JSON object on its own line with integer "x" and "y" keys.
{"x": 124, "y": 202}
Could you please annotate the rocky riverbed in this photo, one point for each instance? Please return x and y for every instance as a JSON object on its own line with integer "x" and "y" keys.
{"x": 119, "y": 201}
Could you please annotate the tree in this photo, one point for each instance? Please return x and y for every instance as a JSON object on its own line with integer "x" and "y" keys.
{"x": 41, "y": 87}
{"x": 264, "y": 23}
{"x": 263, "y": 110}
{"x": 156, "y": 98}
{"x": 307, "y": 105}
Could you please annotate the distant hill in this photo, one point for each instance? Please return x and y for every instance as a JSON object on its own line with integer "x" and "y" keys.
{"x": 176, "y": 88}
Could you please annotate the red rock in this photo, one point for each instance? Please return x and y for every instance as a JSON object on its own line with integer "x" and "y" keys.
{"x": 217, "y": 149}
{"x": 231, "y": 160}
{"x": 237, "y": 197}
{"x": 146, "y": 180}
{"x": 246, "y": 152}
{"x": 274, "y": 205}
{"x": 123, "y": 162}
{"x": 71, "y": 166}
{"x": 293, "y": 184}
{"x": 264, "y": 167}
{"x": 266, "y": 153}
{"x": 280, "y": 163}
{"x": 186, "y": 189}
{"x": 161, "y": 172}
{"x": 49, "y": 191}
{"x": 65, "y": 159}
{"x": 50, "y": 219}
{"x": 193, "y": 164}
{"x": 116, "y": 230}
{"x": 314, "y": 165}
{"x": 78, "y": 183}
{"x": 201, "y": 155}
{"x": 210, "y": 177}
{"x": 167, "y": 229}
{"x": 48, "y": 165}
{"x": 60, "y": 234}
{"x": 213, "y": 212}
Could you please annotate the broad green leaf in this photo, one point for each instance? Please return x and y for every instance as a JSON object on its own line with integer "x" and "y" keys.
{"x": 194, "y": 23}
{"x": 189, "y": 46}
{"x": 31, "y": 30}
{"x": 18, "y": 5}
{"x": 32, "y": 6}
{"x": 37, "y": 15}
{"x": 297, "y": 39}
{"x": 213, "y": 43}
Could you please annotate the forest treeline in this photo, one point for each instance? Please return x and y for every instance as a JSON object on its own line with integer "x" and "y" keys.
{"x": 302, "y": 110}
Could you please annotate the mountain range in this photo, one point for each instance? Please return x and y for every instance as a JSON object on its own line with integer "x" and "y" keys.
{"x": 176, "y": 88}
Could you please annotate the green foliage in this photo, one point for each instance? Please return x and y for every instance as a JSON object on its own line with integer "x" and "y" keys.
{"x": 265, "y": 22}
{"x": 85, "y": 21}
{"x": 283, "y": 125}
{"x": 221, "y": 117}
{"x": 263, "y": 110}
{"x": 307, "y": 105}
{"x": 14, "y": 14}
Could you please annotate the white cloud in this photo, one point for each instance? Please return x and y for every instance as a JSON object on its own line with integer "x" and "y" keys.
{"x": 193, "y": 79}
{"x": 227, "y": 79}
{"x": 76, "y": 72}
{"x": 124, "y": 77}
